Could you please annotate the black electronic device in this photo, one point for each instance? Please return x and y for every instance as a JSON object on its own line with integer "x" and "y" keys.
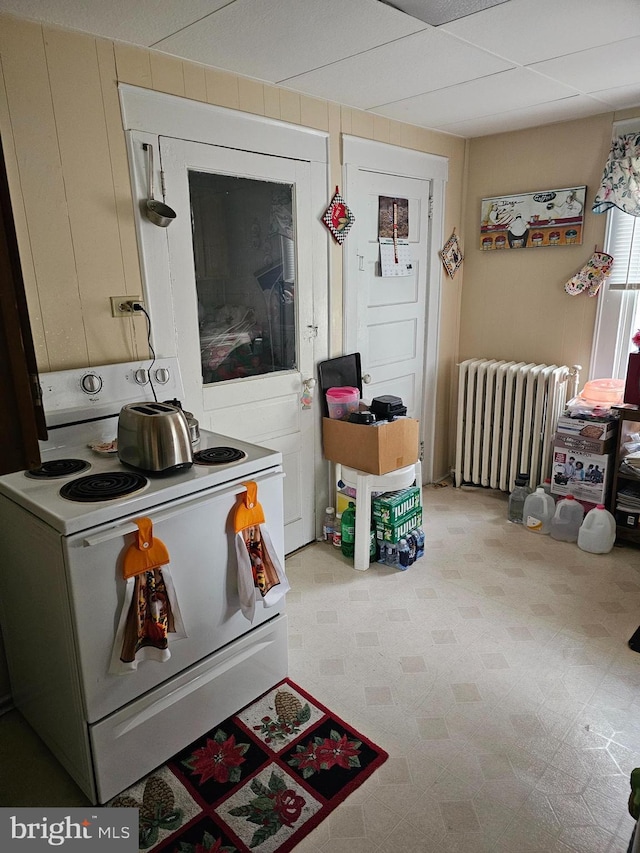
{"x": 362, "y": 418}
{"x": 387, "y": 407}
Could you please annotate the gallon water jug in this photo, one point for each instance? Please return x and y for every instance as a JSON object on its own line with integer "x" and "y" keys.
{"x": 598, "y": 531}
{"x": 567, "y": 519}
{"x": 539, "y": 509}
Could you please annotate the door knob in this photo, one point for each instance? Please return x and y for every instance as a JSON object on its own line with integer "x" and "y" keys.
{"x": 366, "y": 378}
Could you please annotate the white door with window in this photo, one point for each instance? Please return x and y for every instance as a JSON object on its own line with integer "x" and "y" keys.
{"x": 244, "y": 328}
{"x": 393, "y": 320}
{"x": 232, "y": 283}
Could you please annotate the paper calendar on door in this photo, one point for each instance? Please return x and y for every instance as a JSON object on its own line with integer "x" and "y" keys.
{"x": 395, "y": 257}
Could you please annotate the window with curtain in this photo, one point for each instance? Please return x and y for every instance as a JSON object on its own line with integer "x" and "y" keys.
{"x": 618, "y": 314}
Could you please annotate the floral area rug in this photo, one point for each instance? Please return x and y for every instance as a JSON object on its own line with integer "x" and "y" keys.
{"x": 259, "y": 781}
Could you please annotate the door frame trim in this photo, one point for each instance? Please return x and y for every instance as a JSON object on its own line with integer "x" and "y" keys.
{"x": 171, "y": 115}
{"x": 381, "y": 157}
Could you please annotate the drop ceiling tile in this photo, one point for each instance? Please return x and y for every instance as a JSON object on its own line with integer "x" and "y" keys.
{"x": 565, "y": 109}
{"x": 585, "y": 70}
{"x": 283, "y": 38}
{"x": 143, "y": 22}
{"x": 418, "y": 63}
{"x": 620, "y": 97}
{"x": 501, "y": 92}
{"x": 529, "y": 32}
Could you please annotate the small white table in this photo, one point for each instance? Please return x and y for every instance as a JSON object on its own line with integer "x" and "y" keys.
{"x": 365, "y": 484}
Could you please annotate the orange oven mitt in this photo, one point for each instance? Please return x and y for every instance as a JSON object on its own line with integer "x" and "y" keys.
{"x": 150, "y": 611}
{"x": 260, "y": 573}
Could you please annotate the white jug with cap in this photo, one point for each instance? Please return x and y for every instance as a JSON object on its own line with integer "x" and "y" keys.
{"x": 567, "y": 519}
{"x": 538, "y": 511}
{"x": 597, "y": 533}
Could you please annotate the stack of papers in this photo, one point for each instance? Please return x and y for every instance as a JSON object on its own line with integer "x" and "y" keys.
{"x": 633, "y": 459}
{"x": 629, "y": 470}
{"x": 628, "y": 499}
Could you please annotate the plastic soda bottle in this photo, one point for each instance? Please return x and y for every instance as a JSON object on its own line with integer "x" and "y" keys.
{"x": 329, "y": 524}
{"x": 403, "y": 554}
{"x": 412, "y": 542}
{"x": 597, "y": 533}
{"x": 517, "y": 498}
{"x": 348, "y": 526}
{"x": 391, "y": 551}
{"x": 337, "y": 531}
{"x": 420, "y": 538}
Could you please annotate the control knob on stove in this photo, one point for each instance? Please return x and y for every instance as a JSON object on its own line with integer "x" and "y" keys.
{"x": 162, "y": 375}
{"x": 141, "y": 376}
{"x": 91, "y": 383}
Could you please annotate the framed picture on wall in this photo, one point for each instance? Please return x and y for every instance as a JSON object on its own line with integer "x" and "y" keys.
{"x": 533, "y": 220}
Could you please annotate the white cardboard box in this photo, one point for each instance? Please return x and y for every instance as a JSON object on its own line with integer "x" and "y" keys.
{"x": 591, "y": 485}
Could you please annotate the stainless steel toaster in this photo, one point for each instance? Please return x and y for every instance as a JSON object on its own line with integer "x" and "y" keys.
{"x": 154, "y": 438}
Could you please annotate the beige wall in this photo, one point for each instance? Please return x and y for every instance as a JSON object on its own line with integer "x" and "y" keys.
{"x": 61, "y": 129}
{"x": 514, "y": 305}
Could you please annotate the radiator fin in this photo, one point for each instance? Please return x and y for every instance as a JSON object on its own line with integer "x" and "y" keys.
{"x": 507, "y": 416}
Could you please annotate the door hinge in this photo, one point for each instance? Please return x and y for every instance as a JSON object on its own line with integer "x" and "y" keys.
{"x": 313, "y": 332}
{"x": 430, "y": 206}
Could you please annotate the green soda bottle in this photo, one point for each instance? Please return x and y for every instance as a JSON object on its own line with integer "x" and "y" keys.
{"x": 348, "y": 530}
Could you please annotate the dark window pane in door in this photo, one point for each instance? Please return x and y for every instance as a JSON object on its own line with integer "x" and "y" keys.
{"x": 244, "y": 258}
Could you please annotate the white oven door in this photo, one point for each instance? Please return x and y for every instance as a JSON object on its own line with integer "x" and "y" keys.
{"x": 198, "y": 534}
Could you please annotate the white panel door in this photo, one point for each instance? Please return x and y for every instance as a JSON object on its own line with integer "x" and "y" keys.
{"x": 393, "y": 321}
{"x": 246, "y": 401}
{"x": 387, "y": 326}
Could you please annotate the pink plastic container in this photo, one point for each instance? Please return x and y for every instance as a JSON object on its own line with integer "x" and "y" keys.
{"x": 342, "y": 401}
{"x": 603, "y": 391}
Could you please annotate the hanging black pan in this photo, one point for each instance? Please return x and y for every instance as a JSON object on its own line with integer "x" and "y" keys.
{"x": 156, "y": 211}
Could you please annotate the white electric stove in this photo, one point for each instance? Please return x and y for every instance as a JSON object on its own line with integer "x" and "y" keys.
{"x": 62, "y": 589}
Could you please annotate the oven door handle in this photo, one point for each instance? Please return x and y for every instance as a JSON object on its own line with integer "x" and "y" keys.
{"x": 178, "y": 508}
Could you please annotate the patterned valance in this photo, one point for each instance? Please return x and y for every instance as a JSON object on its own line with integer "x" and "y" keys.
{"x": 620, "y": 186}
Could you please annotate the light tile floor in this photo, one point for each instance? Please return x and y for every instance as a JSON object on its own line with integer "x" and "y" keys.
{"x": 495, "y": 671}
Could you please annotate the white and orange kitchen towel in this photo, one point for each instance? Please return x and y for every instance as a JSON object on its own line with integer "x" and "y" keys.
{"x": 150, "y": 611}
{"x": 261, "y": 576}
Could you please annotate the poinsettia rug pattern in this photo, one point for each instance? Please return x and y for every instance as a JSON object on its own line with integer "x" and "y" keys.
{"x": 259, "y": 781}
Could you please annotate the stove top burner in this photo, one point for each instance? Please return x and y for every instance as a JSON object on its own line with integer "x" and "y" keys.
{"x": 104, "y": 487}
{"x": 218, "y": 455}
{"x": 58, "y": 468}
